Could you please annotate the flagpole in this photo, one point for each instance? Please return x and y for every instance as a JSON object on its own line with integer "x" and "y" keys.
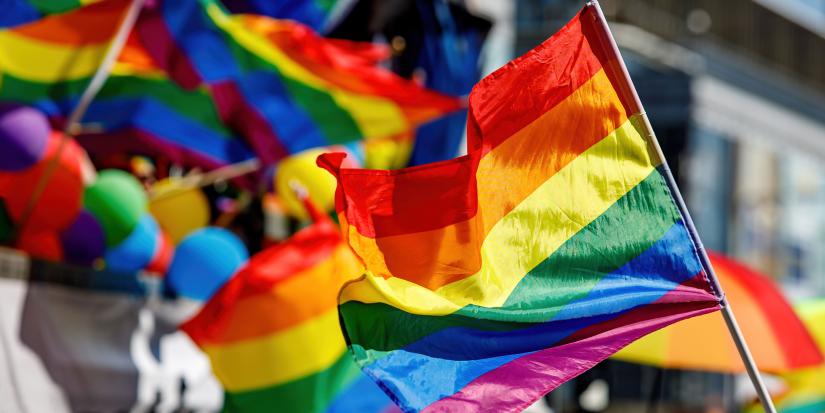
{"x": 727, "y": 313}
{"x": 72, "y": 124}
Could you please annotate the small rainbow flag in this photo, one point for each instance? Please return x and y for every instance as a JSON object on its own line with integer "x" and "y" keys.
{"x": 17, "y": 12}
{"x": 283, "y": 86}
{"x": 494, "y": 277}
{"x": 48, "y": 64}
{"x": 272, "y": 331}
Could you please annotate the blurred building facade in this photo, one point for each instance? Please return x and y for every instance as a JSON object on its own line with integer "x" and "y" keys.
{"x": 736, "y": 93}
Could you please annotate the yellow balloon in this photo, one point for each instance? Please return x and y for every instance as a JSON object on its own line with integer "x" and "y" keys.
{"x": 178, "y": 210}
{"x": 301, "y": 169}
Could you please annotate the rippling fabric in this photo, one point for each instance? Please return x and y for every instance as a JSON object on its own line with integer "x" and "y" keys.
{"x": 48, "y": 64}
{"x": 283, "y": 86}
{"x": 272, "y": 332}
{"x": 494, "y": 277}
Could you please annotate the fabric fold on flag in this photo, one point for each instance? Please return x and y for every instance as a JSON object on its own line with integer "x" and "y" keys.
{"x": 282, "y": 86}
{"x": 494, "y": 277}
{"x": 272, "y": 331}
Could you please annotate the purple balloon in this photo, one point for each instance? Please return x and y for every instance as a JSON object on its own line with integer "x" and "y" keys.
{"x": 84, "y": 241}
{"x": 24, "y": 132}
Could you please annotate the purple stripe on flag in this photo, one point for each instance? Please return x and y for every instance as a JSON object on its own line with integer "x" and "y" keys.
{"x": 530, "y": 377}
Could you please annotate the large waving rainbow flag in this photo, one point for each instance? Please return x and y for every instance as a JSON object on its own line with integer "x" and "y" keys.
{"x": 494, "y": 277}
{"x": 48, "y": 64}
{"x": 283, "y": 86}
{"x": 272, "y": 331}
{"x": 17, "y": 12}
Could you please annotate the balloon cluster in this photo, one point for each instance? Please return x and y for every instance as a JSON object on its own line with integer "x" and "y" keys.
{"x": 106, "y": 219}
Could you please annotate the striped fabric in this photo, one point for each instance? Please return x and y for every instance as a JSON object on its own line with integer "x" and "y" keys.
{"x": 62, "y": 47}
{"x": 494, "y": 277}
{"x": 272, "y": 332}
{"x": 17, "y": 12}
{"x": 806, "y": 387}
{"x": 280, "y": 84}
{"x": 48, "y": 64}
{"x": 141, "y": 110}
{"x": 313, "y": 13}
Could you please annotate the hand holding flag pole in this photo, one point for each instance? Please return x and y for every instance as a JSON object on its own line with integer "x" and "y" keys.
{"x": 727, "y": 313}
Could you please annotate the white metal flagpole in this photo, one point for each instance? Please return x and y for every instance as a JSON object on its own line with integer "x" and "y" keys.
{"x": 727, "y": 313}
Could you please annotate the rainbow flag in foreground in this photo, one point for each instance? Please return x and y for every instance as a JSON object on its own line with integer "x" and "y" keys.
{"x": 285, "y": 88}
{"x": 48, "y": 64}
{"x": 272, "y": 331}
{"x": 17, "y": 12}
{"x": 494, "y": 277}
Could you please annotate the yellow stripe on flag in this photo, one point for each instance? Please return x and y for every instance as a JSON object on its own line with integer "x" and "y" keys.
{"x": 558, "y": 209}
{"x": 38, "y": 61}
{"x": 285, "y": 356}
{"x": 364, "y": 109}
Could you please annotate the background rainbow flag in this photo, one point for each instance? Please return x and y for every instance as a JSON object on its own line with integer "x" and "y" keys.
{"x": 272, "y": 331}
{"x": 17, "y": 12}
{"x": 48, "y": 64}
{"x": 494, "y": 277}
{"x": 283, "y": 87}
{"x": 313, "y": 13}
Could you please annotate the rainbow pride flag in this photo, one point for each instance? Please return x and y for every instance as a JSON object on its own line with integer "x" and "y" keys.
{"x": 61, "y": 47}
{"x": 17, "y": 12}
{"x": 141, "y": 110}
{"x": 48, "y": 64}
{"x": 494, "y": 277}
{"x": 272, "y": 331}
{"x": 282, "y": 86}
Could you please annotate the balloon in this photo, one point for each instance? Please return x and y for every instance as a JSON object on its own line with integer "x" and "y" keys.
{"x": 24, "y": 132}
{"x": 84, "y": 241}
{"x": 164, "y": 252}
{"x": 137, "y": 250}
{"x": 118, "y": 202}
{"x": 302, "y": 170}
{"x": 178, "y": 210}
{"x": 41, "y": 244}
{"x": 204, "y": 261}
{"x": 60, "y": 201}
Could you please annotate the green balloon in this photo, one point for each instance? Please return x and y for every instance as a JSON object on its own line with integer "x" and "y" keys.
{"x": 118, "y": 201}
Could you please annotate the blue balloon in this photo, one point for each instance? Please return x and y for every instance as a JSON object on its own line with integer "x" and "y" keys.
{"x": 137, "y": 250}
{"x": 204, "y": 261}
